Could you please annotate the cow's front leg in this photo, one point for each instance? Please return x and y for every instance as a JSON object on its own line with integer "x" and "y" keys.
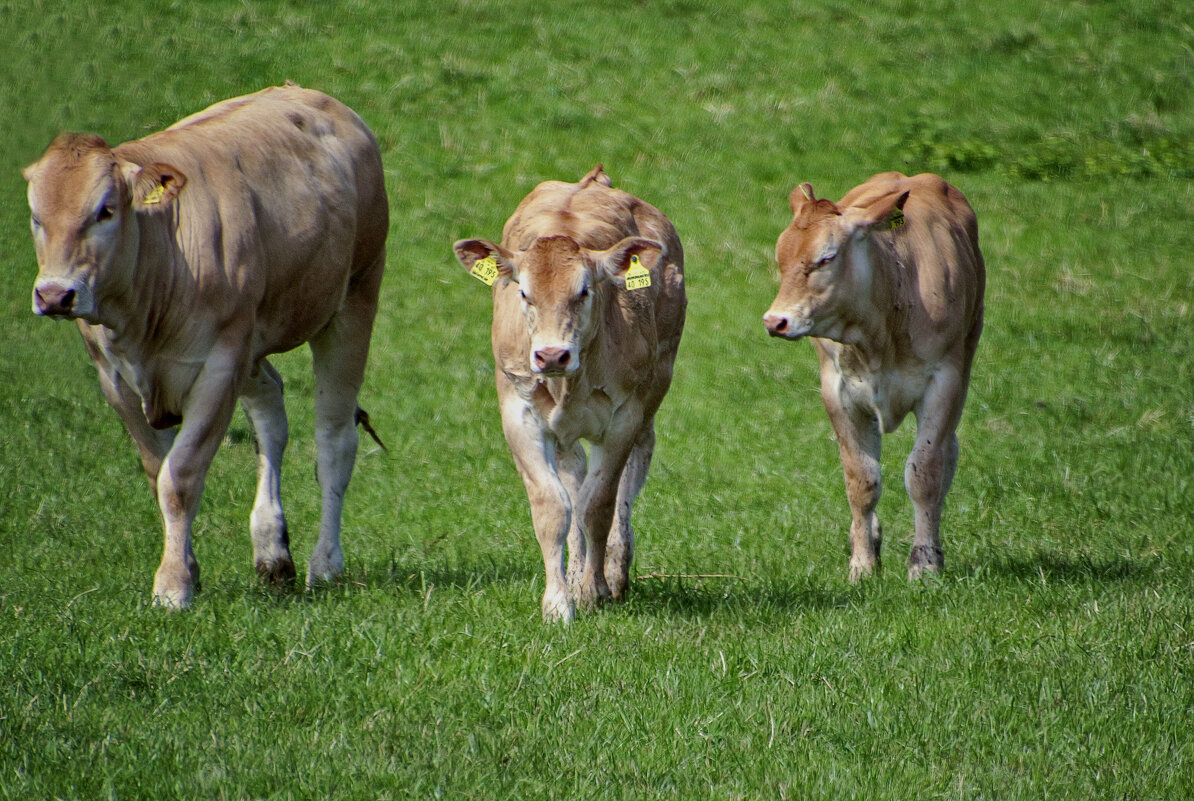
{"x": 153, "y": 444}
{"x": 551, "y": 508}
{"x": 264, "y": 406}
{"x": 598, "y": 497}
{"x": 860, "y": 444}
{"x": 206, "y": 413}
{"x": 929, "y": 471}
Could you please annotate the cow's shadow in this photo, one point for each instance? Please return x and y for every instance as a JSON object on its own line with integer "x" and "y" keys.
{"x": 1061, "y": 568}
{"x": 686, "y": 595}
{"x": 703, "y": 596}
{"x": 699, "y": 598}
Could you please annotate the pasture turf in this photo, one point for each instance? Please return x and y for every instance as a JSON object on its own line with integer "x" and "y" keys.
{"x": 1053, "y": 659}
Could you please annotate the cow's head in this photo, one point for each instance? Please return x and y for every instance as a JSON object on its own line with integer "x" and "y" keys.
{"x": 84, "y": 201}
{"x": 824, "y": 263}
{"x": 559, "y": 282}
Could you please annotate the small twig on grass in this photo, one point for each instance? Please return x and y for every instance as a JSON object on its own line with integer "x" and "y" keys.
{"x": 559, "y": 662}
{"x": 688, "y": 576}
{"x": 77, "y": 597}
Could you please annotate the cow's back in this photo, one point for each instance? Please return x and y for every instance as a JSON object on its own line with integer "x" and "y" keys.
{"x": 284, "y": 205}
{"x": 940, "y": 277}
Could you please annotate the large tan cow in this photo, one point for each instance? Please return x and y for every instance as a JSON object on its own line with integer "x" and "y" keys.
{"x": 581, "y": 353}
{"x": 889, "y": 285}
{"x": 188, "y": 257}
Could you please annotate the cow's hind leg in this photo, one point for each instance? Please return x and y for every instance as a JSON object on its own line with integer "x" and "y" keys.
{"x": 572, "y": 464}
{"x": 339, "y": 354}
{"x": 930, "y": 468}
{"x": 619, "y": 548}
{"x": 263, "y": 405}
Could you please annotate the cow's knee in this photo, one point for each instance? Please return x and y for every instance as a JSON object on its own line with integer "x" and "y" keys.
{"x": 864, "y": 484}
{"x": 923, "y": 474}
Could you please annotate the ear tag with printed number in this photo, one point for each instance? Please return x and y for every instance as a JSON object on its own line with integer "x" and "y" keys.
{"x": 638, "y": 276}
{"x": 154, "y": 196}
{"x": 485, "y": 270}
{"x": 894, "y": 221}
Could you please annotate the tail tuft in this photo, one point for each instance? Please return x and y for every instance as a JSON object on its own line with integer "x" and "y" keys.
{"x": 362, "y": 419}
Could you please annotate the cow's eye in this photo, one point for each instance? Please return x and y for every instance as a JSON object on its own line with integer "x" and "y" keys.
{"x": 104, "y": 213}
{"x": 524, "y": 297}
{"x": 36, "y": 222}
{"x": 826, "y": 259}
{"x": 584, "y": 293}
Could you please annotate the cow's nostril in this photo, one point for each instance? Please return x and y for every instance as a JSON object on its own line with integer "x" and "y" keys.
{"x": 68, "y": 299}
{"x": 782, "y": 325}
{"x": 564, "y": 358}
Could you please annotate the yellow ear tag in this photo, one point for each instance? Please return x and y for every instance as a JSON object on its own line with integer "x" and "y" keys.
{"x": 485, "y": 270}
{"x": 894, "y": 221}
{"x": 638, "y": 276}
{"x": 154, "y": 196}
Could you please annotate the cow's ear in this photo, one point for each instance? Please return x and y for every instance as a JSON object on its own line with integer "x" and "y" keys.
{"x": 801, "y": 195}
{"x": 632, "y": 252}
{"x": 884, "y": 215}
{"x": 470, "y": 251}
{"x": 154, "y": 186}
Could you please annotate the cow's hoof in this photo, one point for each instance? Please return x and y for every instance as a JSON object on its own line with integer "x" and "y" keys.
{"x": 557, "y": 608}
{"x": 591, "y": 594}
{"x": 619, "y": 585}
{"x": 172, "y": 599}
{"x": 617, "y": 578}
{"x": 324, "y": 568}
{"x": 925, "y": 559}
{"x": 860, "y": 569}
{"x": 277, "y": 573}
{"x": 174, "y": 586}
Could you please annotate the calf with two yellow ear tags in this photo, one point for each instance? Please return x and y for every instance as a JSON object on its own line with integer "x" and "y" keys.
{"x": 588, "y": 309}
{"x": 888, "y": 284}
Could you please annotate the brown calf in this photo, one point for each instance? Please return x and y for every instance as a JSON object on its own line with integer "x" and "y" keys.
{"x": 188, "y": 257}
{"x": 889, "y": 285}
{"x": 582, "y": 354}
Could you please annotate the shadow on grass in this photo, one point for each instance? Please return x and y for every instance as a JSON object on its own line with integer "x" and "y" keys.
{"x": 736, "y": 597}
{"x": 695, "y": 597}
{"x": 414, "y": 576}
{"x": 689, "y": 597}
{"x": 1065, "y": 568}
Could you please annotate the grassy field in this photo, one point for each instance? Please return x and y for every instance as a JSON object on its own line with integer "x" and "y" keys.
{"x": 1053, "y": 659}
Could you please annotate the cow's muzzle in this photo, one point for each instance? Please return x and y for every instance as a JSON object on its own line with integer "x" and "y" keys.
{"x": 55, "y": 299}
{"x": 783, "y": 325}
{"x": 553, "y": 361}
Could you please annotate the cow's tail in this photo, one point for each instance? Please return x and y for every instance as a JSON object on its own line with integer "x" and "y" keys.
{"x": 362, "y": 419}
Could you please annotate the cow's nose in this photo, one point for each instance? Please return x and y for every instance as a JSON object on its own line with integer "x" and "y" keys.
{"x": 552, "y": 359}
{"x": 54, "y": 299}
{"x": 777, "y": 324}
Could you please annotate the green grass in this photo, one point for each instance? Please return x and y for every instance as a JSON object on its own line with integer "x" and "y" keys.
{"x": 1053, "y": 659}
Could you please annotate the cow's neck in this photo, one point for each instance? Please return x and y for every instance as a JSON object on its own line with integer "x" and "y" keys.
{"x": 868, "y": 322}
{"x": 141, "y": 315}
